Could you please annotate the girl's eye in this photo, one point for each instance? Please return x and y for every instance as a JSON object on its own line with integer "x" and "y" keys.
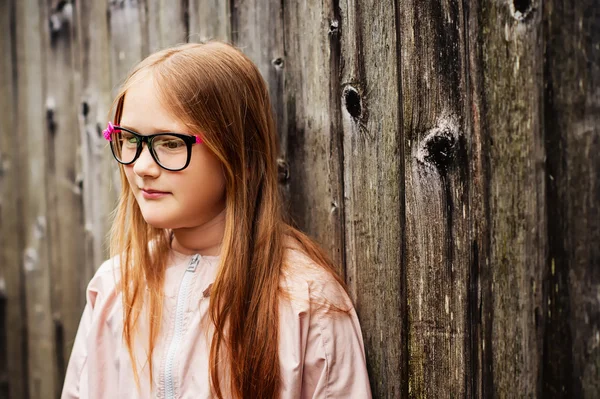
{"x": 170, "y": 143}
{"x": 128, "y": 138}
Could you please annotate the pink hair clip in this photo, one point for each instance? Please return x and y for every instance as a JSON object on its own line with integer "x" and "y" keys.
{"x": 108, "y": 131}
{"x": 198, "y": 140}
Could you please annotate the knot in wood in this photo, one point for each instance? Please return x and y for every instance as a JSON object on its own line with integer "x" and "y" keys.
{"x": 440, "y": 149}
{"x": 333, "y": 27}
{"x": 277, "y": 62}
{"x": 441, "y": 145}
{"x": 353, "y": 102}
{"x": 61, "y": 17}
{"x": 50, "y": 122}
{"x": 85, "y": 109}
{"x": 520, "y": 9}
{"x": 283, "y": 171}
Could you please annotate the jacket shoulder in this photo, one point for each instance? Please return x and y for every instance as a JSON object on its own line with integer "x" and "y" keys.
{"x": 104, "y": 281}
{"x": 313, "y": 282}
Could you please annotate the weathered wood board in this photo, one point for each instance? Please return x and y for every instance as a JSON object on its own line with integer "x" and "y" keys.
{"x": 445, "y": 154}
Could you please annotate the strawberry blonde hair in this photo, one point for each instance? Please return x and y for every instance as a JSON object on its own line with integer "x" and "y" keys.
{"x": 218, "y": 93}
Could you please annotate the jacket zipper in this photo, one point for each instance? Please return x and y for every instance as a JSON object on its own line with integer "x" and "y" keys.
{"x": 178, "y": 331}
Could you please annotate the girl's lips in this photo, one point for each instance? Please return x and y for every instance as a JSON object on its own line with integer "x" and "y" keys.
{"x": 153, "y": 194}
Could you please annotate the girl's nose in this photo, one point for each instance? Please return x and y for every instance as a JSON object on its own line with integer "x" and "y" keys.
{"x": 145, "y": 166}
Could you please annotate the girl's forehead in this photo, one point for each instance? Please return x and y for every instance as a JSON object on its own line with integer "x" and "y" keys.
{"x": 143, "y": 109}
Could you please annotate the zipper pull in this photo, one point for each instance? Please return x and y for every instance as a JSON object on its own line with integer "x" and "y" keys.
{"x": 193, "y": 263}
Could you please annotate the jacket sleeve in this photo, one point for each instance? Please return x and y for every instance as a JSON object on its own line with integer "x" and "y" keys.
{"x": 76, "y": 376}
{"x": 335, "y": 365}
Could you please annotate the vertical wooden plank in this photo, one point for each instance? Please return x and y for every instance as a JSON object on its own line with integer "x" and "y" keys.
{"x": 31, "y": 29}
{"x": 374, "y": 186}
{"x": 311, "y": 137}
{"x": 13, "y": 346}
{"x": 128, "y": 39}
{"x": 166, "y": 24}
{"x": 437, "y": 129}
{"x": 257, "y": 29}
{"x": 209, "y": 19}
{"x": 572, "y": 132}
{"x": 258, "y": 32}
{"x": 479, "y": 277}
{"x": 512, "y": 65}
{"x": 65, "y": 205}
{"x": 98, "y": 184}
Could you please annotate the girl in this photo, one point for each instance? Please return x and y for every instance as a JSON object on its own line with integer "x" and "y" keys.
{"x": 208, "y": 292}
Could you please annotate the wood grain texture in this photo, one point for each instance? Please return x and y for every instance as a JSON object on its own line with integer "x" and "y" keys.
{"x": 374, "y": 187}
{"x": 445, "y": 154}
{"x": 129, "y": 42}
{"x": 64, "y": 194}
{"x": 13, "y": 349}
{"x": 479, "y": 374}
{"x": 31, "y": 85}
{"x": 99, "y": 185}
{"x": 312, "y": 136}
{"x": 572, "y": 135}
{"x": 166, "y": 23}
{"x": 438, "y": 134}
{"x": 513, "y": 87}
{"x": 209, "y": 19}
{"x": 257, "y": 29}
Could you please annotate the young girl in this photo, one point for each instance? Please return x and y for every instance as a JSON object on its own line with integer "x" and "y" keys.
{"x": 208, "y": 293}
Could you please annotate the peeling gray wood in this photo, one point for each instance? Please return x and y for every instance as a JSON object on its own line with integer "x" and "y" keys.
{"x": 31, "y": 30}
{"x": 373, "y": 186}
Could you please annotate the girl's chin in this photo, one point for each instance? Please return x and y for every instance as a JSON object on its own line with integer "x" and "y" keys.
{"x": 159, "y": 221}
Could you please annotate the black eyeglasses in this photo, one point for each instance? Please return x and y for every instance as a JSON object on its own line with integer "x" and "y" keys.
{"x": 171, "y": 151}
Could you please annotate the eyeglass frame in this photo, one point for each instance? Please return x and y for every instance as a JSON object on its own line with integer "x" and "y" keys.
{"x": 188, "y": 139}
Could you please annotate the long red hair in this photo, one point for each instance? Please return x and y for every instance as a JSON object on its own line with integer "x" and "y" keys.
{"x": 219, "y": 93}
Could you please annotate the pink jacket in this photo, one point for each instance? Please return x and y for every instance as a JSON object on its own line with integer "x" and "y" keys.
{"x": 321, "y": 352}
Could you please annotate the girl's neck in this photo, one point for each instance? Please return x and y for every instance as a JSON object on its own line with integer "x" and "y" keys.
{"x": 205, "y": 240}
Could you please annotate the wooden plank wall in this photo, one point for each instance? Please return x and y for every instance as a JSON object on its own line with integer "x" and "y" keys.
{"x": 445, "y": 153}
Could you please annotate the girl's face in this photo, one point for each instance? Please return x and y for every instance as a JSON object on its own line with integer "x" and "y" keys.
{"x": 172, "y": 200}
